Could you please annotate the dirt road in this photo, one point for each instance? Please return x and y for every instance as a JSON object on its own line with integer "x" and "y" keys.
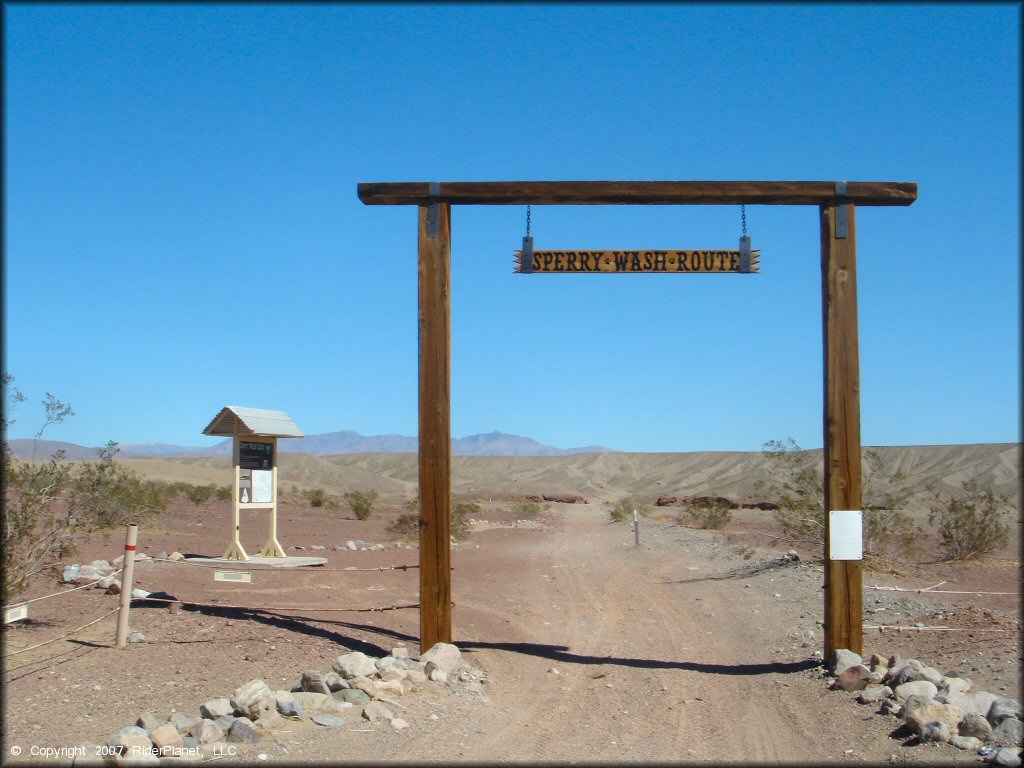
{"x": 599, "y": 650}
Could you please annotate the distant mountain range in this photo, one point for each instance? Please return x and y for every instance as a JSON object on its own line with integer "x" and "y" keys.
{"x": 327, "y": 444}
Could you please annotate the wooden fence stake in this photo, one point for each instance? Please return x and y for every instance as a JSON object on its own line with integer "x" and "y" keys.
{"x": 127, "y": 584}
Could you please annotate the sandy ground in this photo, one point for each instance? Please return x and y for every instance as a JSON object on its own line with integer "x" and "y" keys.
{"x": 592, "y": 649}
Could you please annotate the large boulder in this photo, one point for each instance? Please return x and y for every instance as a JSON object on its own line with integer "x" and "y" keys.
{"x": 313, "y": 680}
{"x": 131, "y": 740}
{"x": 976, "y": 725}
{"x": 167, "y": 740}
{"x": 445, "y": 656}
{"x": 1003, "y": 708}
{"x": 253, "y": 699}
{"x": 919, "y": 712}
{"x": 1009, "y": 733}
{"x": 215, "y": 708}
{"x": 354, "y": 664}
{"x": 855, "y": 678}
{"x": 842, "y": 659}
{"x": 920, "y": 688}
{"x": 206, "y": 731}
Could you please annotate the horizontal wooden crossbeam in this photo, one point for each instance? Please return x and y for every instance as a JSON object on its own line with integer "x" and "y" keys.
{"x": 639, "y": 193}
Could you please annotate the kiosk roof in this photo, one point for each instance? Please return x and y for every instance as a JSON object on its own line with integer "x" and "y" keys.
{"x": 234, "y": 420}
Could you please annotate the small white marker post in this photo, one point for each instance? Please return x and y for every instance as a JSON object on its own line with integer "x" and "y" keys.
{"x": 636, "y": 527}
{"x": 127, "y": 584}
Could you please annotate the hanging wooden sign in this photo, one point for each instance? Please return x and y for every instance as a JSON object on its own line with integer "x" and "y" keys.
{"x": 635, "y": 261}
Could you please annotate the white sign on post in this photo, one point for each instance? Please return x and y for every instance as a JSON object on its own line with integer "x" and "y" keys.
{"x": 262, "y": 486}
{"x": 845, "y": 535}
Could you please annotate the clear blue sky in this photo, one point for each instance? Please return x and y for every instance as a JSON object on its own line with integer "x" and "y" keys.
{"x": 182, "y": 230}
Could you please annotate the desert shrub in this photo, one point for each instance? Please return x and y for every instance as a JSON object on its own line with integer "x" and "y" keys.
{"x": 48, "y": 503}
{"x": 223, "y": 493}
{"x": 317, "y": 497}
{"x": 405, "y": 526}
{"x": 622, "y": 510}
{"x": 527, "y": 510}
{"x": 200, "y": 494}
{"x": 408, "y": 525}
{"x": 461, "y": 514}
{"x": 972, "y": 524}
{"x": 794, "y": 483}
{"x": 105, "y": 494}
{"x": 361, "y": 502}
{"x": 709, "y": 513}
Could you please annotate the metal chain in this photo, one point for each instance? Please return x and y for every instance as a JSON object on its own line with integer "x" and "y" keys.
{"x": 743, "y": 218}
{"x": 527, "y": 221}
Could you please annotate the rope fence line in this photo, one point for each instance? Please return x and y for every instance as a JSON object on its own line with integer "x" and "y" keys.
{"x": 69, "y": 634}
{"x": 64, "y": 592}
{"x": 933, "y": 591}
{"x": 901, "y": 628}
{"x": 274, "y": 568}
{"x": 316, "y": 609}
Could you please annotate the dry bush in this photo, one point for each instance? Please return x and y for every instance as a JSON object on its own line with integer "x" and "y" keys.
{"x": 709, "y": 514}
{"x": 622, "y": 510}
{"x": 361, "y": 502}
{"x": 972, "y": 524}
{"x": 527, "y": 510}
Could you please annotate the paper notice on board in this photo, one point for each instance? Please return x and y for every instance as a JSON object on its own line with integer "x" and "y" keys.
{"x": 262, "y": 486}
{"x": 845, "y": 535}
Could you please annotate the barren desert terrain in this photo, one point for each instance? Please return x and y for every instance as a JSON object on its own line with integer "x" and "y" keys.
{"x": 693, "y": 646}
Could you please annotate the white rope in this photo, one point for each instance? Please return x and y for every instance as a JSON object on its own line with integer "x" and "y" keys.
{"x": 69, "y": 634}
{"x": 66, "y": 591}
{"x": 900, "y": 628}
{"x": 933, "y": 591}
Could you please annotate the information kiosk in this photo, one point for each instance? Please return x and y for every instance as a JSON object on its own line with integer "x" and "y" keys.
{"x": 254, "y": 434}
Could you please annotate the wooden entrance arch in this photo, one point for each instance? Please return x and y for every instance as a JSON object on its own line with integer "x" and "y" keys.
{"x": 843, "y": 615}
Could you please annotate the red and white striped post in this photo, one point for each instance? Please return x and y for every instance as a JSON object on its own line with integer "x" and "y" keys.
{"x": 127, "y": 584}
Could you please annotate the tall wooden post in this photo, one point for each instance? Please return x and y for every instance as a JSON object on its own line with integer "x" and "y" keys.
{"x": 435, "y": 424}
{"x": 843, "y": 588}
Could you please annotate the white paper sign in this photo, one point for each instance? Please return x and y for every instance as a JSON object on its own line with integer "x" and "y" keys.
{"x": 262, "y": 486}
{"x": 845, "y": 535}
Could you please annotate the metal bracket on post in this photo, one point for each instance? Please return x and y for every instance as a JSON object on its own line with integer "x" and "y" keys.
{"x": 433, "y": 208}
{"x": 745, "y": 254}
{"x": 842, "y": 212}
{"x": 526, "y": 265}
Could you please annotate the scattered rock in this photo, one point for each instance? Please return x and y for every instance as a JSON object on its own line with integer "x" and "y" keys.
{"x": 874, "y": 694}
{"x": 919, "y": 712}
{"x": 313, "y": 680}
{"x": 968, "y": 743}
{"x": 244, "y": 730}
{"x": 175, "y": 557}
{"x": 1003, "y": 708}
{"x": 352, "y": 696}
{"x": 166, "y": 739}
{"x": 252, "y": 699}
{"x": 149, "y": 722}
{"x": 934, "y": 731}
{"x": 291, "y": 708}
{"x": 445, "y": 655}
{"x": 1007, "y": 757}
{"x": 855, "y": 678}
{"x": 182, "y": 722}
{"x": 920, "y": 688}
{"x": 206, "y": 731}
{"x": 842, "y": 660}
{"x": 570, "y": 499}
{"x": 215, "y": 708}
{"x": 375, "y": 711}
{"x": 131, "y": 739}
{"x": 354, "y": 664}
{"x": 1009, "y": 733}
{"x": 335, "y": 682}
{"x": 399, "y": 724}
{"x": 976, "y": 725}
{"x": 330, "y": 721}
{"x": 400, "y": 652}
